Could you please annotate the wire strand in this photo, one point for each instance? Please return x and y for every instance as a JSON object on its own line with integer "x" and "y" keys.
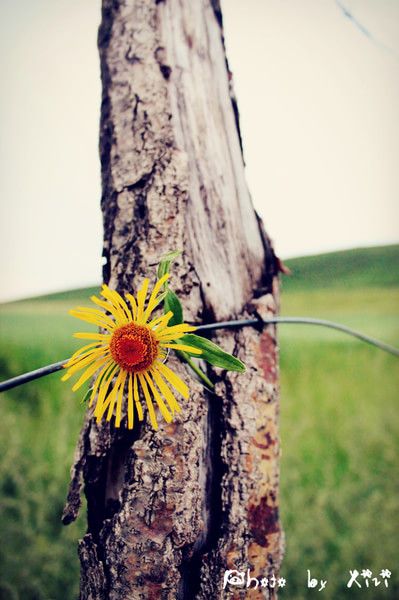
{"x": 234, "y": 324}
{"x": 349, "y": 15}
{"x": 26, "y": 377}
{"x": 302, "y": 321}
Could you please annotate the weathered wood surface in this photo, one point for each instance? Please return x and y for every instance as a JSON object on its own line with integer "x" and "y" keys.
{"x": 169, "y": 511}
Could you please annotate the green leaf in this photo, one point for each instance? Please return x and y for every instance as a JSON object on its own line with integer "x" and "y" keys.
{"x": 165, "y": 262}
{"x": 212, "y": 353}
{"x": 86, "y": 396}
{"x": 173, "y": 303}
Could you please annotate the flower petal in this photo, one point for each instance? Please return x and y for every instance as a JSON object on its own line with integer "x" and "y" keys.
{"x": 90, "y": 371}
{"x": 133, "y": 304}
{"x": 88, "y": 358}
{"x": 158, "y": 399}
{"x": 80, "y": 353}
{"x": 116, "y": 311}
{"x": 183, "y": 347}
{"x": 152, "y": 303}
{"x": 101, "y": 379}
{"x": 160, "y": 321}
{"x": 118, "y": 415}
{"x": 116, "y": 300}
{"x": 141, "y": 296}
{"x": 150, "y": 405}
{"x": 99, "y": 319}
{"x": 180, "y": 329}
{"x": 166, "y": 391}
{"x": 109, "y": 401}
{"x": 137, "y": 402}
{"x": 92, "y": 336}
{"x": 102, "y": 394}
{"x": 173, "y": 379}
{"x": 130, "y": 409}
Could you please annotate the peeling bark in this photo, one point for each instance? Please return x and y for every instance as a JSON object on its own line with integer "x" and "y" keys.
{"x": 169, "y": 511}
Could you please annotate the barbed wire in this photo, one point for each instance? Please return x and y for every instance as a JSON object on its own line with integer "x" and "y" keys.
{"x": 234, "y": 324}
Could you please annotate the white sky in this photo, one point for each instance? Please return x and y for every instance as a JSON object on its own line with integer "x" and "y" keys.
{"x": 318, "y": 101}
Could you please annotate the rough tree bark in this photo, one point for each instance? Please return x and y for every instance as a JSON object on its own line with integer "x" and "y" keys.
{"x": 169, "y": 511}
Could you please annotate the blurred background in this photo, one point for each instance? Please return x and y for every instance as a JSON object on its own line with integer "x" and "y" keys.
{"x": 317, "y": 84}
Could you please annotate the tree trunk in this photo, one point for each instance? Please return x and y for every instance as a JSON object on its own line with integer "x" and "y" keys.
{"x": 170, "y": 511}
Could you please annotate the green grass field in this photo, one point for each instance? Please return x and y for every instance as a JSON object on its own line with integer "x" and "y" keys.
{"x": 340, "y": 423}
{"x": 339, "y": 428}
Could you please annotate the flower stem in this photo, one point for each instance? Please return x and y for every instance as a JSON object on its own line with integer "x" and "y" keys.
{"x": 195, "y": 368}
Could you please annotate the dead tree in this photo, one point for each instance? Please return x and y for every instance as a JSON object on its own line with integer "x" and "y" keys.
{"x": 169, "y": 511}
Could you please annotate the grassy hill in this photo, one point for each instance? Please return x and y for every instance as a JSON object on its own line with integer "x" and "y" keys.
{"x": 339, "y": 430}
{"x": 359, "y": 288}
{"x": 358, "y": 268}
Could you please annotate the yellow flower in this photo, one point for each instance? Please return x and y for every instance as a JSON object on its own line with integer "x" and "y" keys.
{"x": 130, "y": 355}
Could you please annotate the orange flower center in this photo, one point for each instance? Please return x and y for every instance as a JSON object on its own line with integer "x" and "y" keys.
{"x": 134, "y": 347}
